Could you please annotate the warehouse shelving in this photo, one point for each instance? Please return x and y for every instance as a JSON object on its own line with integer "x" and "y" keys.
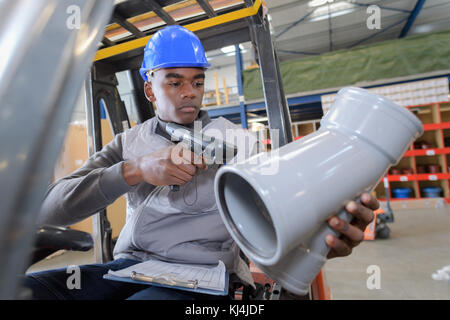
{"x": 436, "y": 151}
{"x": 299, "y": 129}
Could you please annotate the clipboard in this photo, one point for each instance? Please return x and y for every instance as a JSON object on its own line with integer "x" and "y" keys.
{"x": 170, "y": 282}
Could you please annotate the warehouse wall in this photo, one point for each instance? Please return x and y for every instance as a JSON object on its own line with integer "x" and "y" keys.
{"x": 73, "y": 155}
{"x": 409, "y": 56}
{"x": 75, "y": 152}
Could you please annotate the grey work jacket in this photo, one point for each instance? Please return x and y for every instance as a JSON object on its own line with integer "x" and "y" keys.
{"x": 181, "y": 227}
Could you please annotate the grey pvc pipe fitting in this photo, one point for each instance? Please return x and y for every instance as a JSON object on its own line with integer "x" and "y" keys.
{"x": 279, "y": 219}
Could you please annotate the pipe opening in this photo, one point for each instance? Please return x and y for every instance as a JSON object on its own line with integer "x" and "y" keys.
{"x": 247, "y": 215}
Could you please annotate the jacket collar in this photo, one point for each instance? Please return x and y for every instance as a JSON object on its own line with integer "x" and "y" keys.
{"x": 160, "y": 126}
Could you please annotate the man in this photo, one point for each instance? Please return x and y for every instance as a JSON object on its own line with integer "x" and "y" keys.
{"x": 180, "y": 227}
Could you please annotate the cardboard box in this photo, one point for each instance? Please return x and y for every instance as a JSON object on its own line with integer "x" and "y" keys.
{"x": 73, "y": 155}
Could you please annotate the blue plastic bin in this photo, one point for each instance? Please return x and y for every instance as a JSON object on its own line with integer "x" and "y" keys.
{"x": 431, "y": 192}
{"x": 401, "y": 193}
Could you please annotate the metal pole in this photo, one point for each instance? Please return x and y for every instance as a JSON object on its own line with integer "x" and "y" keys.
{"x": 239, "y": 68}
{"x": 276, "y": 103}
{"x": 103, "y": 92}
{"x": 92, "y": 127}
{"x": 412, "y": 17}
{"x": 216, "y": 83}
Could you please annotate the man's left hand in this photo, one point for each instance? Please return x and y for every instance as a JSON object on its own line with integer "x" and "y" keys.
{"x": 352, "y": 234}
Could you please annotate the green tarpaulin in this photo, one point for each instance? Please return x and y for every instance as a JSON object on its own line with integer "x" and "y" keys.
{"x": 386, "y": 60}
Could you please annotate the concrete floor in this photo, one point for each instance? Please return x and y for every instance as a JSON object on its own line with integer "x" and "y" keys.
{"x": 419, "y": 245}
{"x": 62, "y": 259}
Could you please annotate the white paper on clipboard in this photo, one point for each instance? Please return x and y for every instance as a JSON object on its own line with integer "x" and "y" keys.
{"x": 212, "y": 278}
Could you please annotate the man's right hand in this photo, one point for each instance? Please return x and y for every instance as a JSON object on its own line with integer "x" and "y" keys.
{"x": 173, "y": 165}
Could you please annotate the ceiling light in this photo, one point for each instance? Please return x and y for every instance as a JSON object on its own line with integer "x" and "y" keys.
{"x": 230, "y": 49}
{"x": 423, "y": 28}
{"x": 257, "y": 119}
{"x": 227, "y": 49}
{"x": 230, "y": 54}
{"x": 332, "y": 10}
{"x": 318, "y": 3}
{"x": 332, "y": 15}
{"x": 256, "y": 126}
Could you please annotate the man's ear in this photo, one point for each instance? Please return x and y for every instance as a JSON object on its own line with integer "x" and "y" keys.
{"x": 148, "y": 91}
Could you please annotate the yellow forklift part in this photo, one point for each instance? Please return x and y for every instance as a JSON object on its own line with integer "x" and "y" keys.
{"x": 196, "y": 26}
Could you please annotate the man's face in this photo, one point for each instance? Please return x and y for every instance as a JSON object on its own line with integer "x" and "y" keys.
{"x": 177, "y": 92}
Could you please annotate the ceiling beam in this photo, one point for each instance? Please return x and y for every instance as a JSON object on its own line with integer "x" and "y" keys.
{"x": 120, "y": 19}
{"x": 207, "y": 8}
{"x": 298, "y": 37}
{"x": 305, "y": 23}
{"x": 286, "y": 6}
{"x": 379, "y": 6}
{"x": 412, "y": 17}
{"x": 155, "y": 7}
{"x": 298, "y": 52}
{"x": 108, "y": 42}
{"x": 373, "y": 35}
{"x": 294, "y": 24}
{"x": 288, "y": 47}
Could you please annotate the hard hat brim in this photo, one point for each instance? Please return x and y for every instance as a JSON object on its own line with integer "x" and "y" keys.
{"x": 143, "y": 71}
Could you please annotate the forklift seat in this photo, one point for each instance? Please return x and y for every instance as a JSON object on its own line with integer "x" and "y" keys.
{"x": 50, "y": 239}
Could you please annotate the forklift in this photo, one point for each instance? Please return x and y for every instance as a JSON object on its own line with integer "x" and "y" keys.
{"x": 46, "y": 66}
{"x": 382, "y": 230}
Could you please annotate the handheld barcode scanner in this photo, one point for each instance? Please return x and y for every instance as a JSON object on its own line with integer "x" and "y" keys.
{"x": 214, "y": 151}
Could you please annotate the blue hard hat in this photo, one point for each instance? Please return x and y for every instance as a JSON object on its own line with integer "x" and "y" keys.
{"x": 171, "y": 47}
